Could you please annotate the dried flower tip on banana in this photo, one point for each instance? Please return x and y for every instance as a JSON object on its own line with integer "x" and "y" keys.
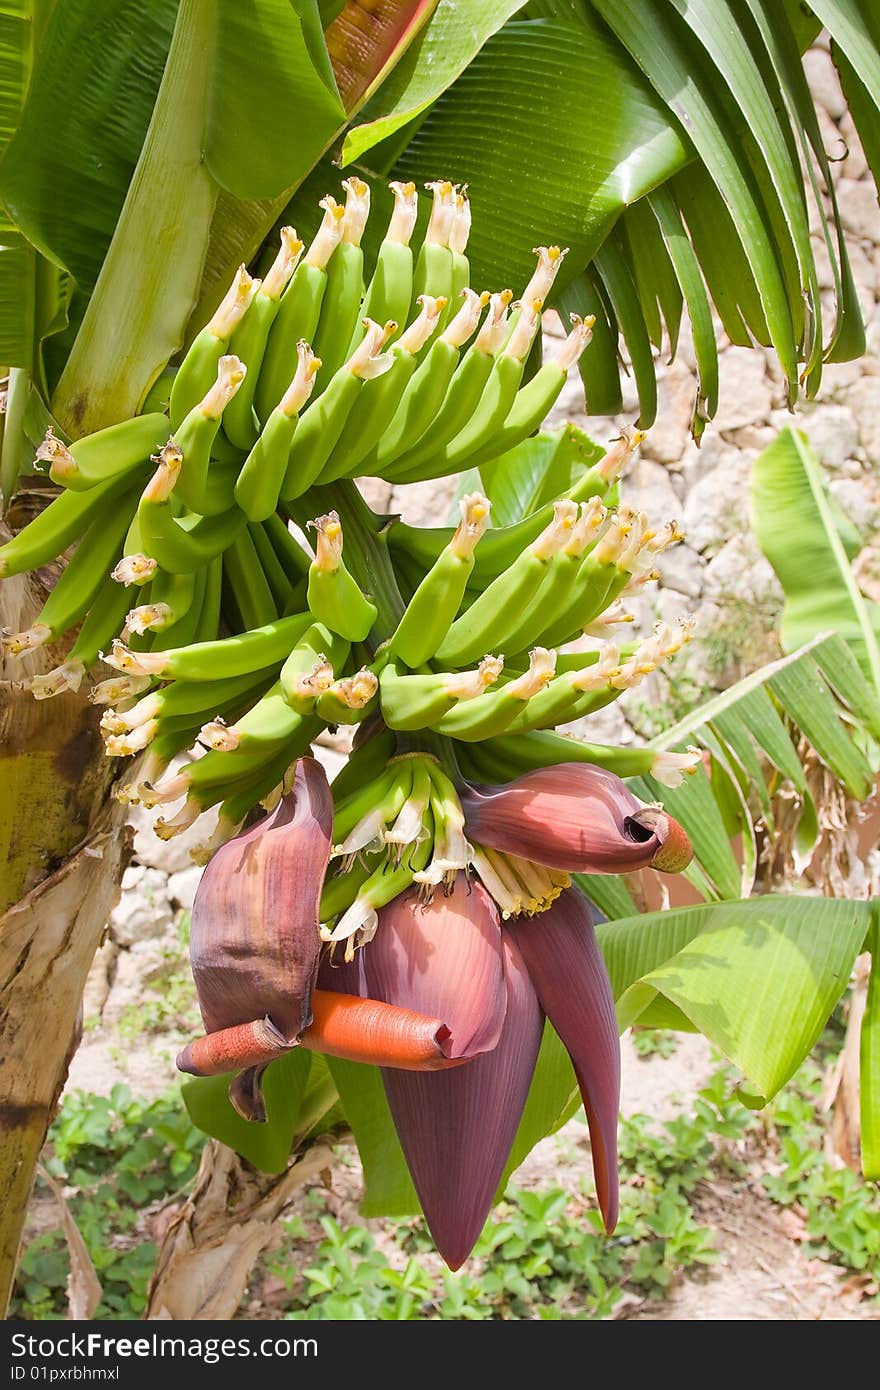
{"x": 148, "y": 617}
{"x": 300, "y": 388}
{"x": 186, "y": 816}
{"x": 467, "y": 685}
{"x": 600, "y": 675}
{"x": 217, "y": 736}
{"x": 279, "y": 273}
{"x": 576, "y": 343}
{"x": 542, "y": 668}
{"x": 405, "y": 214}
{"x": 329, "y": 233}
{"x": 355, "y": 692}
{"x": 357, "y": 209}
{"x": 464, "y": 324}
{"x": 475, "y": 510}
{"x": 234, "y": 305}
{"x": 117, "y": 689}
{"x": 671, "y": 768}
{"x": 520, "y": 343}
{"x": 550, "y": 260}
{"x": 610, "y": 618}
{"x": 16, "y": 643}
{"x": 460, "y": 229}
{"x": 231, "y": 372}
{"x": 555, "y": 536}
{"x": 59, "y": 458}
{"x": 133, "y": 741}
{"x": 413, "y": 339}
{"x": 443, "y": 212}
{"x": 591, "y": 517}
{"x": 134, "y": 569}
{"x": 67, "y": 676}
{"x": 615, "y": 460}
{"x": 368, "y": 360}
{"x": 328, "y": 541}
{"x": 493, "y": 333}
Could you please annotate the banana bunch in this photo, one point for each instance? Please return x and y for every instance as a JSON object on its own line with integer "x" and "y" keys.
{"x": 453, "y": 652}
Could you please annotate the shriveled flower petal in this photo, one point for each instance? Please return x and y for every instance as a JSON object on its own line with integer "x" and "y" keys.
{"x": 443, "y": 959}
{"x": 569, "y": 975}
{"x": 457, "y": 1127}
{"x": 255, "y": 942}
{"x": 577, "y": 817}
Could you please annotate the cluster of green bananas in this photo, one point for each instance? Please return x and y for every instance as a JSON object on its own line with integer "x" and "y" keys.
{"x": 249, "y": 644}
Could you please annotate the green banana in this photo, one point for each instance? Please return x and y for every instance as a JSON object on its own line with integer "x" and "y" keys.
{"x": 276, "y": 577}
{"x": 571, "y": 695}
{"x": 377, "y": 402}
{"x": 170, "y": 597}
{"x": 202, "y": 613}
{"x": 333, "y": 595}
{"x": 298, "y": 312}
{"x": 103, "y": 621}
{"x": 493, "y": 407}
{"x": 82, "y": 579}
{"x": 66, "y": 518}
{"x": 341, "y": 305}
{"x": 194, "y": 437}
{"x": 251, "y": 336}
{"x": 390, "y": 290}
{"x": 183, "y": 543}
{"x": 490, "y": 714}
{"x": 198, "y": 370}
{"x": 294, "y": 559}
{"x": 248, "y": 584}
{"x": 256, "y": 650}
{"x": 555, "y": 590}
{"x": 434, "y": 267}
{"x": 262, "y": 473}
{"x": 435, "y": 603}
{"x": 550, "y": 260}
{"x": 173, "y": 707}
{"x": 311, "y": 667}
{"x": 443, "y": 393}
{"x": 497, "y": 611}
{"x": 501, "y": 545}
{"x": 97, "y": 457}
{"x": 415, "y": 702}
{"x": 319, "y": 430}
{"x": 220, "y": 775}
{"x": 510, "y": 755}
{"x": 533, "y": 401}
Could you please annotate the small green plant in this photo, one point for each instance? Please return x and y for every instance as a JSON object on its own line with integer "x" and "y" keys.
{"x": 654, "y": 1042}
{"x": 841, "y": 1212}
{"x": 120, "y": 1155}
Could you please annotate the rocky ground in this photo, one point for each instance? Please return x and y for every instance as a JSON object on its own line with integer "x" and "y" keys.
{"x": 139, "y": 1004}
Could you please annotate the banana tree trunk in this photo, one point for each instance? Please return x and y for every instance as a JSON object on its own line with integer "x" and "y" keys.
{"x": 62, "y": 851}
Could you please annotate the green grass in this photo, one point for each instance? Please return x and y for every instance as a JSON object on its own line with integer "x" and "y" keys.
{"x": 542, "y": 1253}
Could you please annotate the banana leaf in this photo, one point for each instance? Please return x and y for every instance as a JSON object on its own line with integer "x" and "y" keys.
{"x": 795, "y": 524}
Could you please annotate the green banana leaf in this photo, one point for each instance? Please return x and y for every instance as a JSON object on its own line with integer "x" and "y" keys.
{"x": 103, "y": 61}
{"x": 439, "y": 56}
{"x": 534, "y": 472}
{"x": 758, "y": 978}
{"x": 560, "y": 110}
{"x": 795, "y": 525}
